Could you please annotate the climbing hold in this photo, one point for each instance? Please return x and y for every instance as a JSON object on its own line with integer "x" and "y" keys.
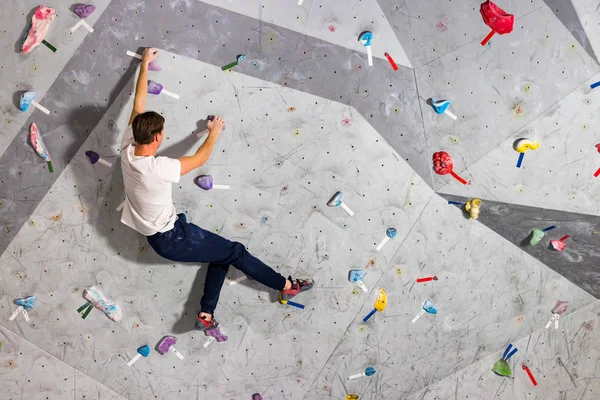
{"x": 94, "y": 296}
{"x": 356, "y": 276}
{"x": 37, "y": 29}
{"x": 331, "y": 28}
{"x": 38, "y": 145}
{"x": 502, "y": 368}
{"x": 521, "y": 146}
{"x": 428, "y": 307}
{"x": 95, "y": 157}
{"x": 559, "y": 244}
{"x": 206, "y": 182}
{"x": 366, "y": 38}
{"x": 473, "y": 208}
{"x": 28, "y": 98}
{"x": 369, "y": 371}
{"x": 157, "y": 88}
{"x": 380, "y": 304}
{"x": 559, "y": 309}
{"x": 337, "y": 200}
{"x": 84, "y": 10}
{"x": 217, "y": 334}
{"x": 441, "y": 107}
{"x": 166, "y": 344}
{"x": 390, "y": 234}
{"x": 538, "y": 234}
{"x": 497, "y": 19}
{"x": 26, "y": 302}
{"x": 143, "y": 351}
{"x": 256, "y": 396}
{"x": 442, "y": 165}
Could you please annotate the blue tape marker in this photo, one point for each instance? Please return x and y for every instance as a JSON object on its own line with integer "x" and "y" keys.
{"x": 520, "y": 160}
{"x": 549, "y": 228}
{"x": 511, "y": 354}
{"x": 369, "y": 315}
{"x": 506, "y": 351}
{"x": 291, "y": 303}
{"x": 456, "y": 202}
{"x": 595, "y": 85}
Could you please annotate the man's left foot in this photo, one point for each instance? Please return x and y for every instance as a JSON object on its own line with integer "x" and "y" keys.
{"x": 202, "y": 324}
{"x": 298, "y": 286}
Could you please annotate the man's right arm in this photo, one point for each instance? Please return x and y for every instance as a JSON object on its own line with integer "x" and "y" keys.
{"x": 189, "y": 163}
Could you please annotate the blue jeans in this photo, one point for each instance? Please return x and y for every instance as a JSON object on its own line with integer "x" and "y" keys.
{"x": 189, "y": 243}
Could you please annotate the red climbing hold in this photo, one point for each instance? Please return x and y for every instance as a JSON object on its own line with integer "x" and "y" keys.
{"x": 497, "y": 19}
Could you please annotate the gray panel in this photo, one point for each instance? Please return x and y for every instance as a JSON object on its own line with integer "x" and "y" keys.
{"x": 579, "y": 262}
{"x": 566, "y": 13}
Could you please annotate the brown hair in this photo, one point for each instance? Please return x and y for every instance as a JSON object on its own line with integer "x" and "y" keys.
{"x": 146, "y": 125}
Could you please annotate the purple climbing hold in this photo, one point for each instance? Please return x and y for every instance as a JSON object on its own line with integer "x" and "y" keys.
{"x": 153, "y": 66}
{"x": 217, "y": 334}
{"x": 257, "y": 396}
{"x": 154, "y": 87}
{"x": 204, "y": 181}
{"x": 93, "y": 156}
{"x": 84, "y": 10}
{"x": 165, "y": 344}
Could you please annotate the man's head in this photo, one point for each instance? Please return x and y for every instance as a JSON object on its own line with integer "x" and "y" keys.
{"x": 148, "y": 128}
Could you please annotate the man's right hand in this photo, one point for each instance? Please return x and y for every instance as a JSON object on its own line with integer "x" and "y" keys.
{"x": 215, "y": 126}
{"x": 150, "y": 54}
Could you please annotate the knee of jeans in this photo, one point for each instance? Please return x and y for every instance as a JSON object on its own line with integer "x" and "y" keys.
{"x": 239, "y": 249}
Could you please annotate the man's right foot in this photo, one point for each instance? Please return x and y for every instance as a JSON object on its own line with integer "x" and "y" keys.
{"x": 202, "y": 324}
{"x": 298, "y": 286}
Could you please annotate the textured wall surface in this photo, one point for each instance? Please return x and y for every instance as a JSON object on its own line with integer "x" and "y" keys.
{"x": 305, "y": 117}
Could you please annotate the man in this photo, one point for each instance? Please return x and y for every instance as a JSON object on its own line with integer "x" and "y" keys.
{"x": 149, "y": 206}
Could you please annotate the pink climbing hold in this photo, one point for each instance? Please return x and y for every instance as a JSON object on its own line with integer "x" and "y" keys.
{"x": 331, "y": 28}
{"x": 346, "y": 121}
{"x": 559, "y": 245}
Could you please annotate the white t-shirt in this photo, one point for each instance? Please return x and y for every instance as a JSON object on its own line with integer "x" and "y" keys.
{"x": 148, "y": 200}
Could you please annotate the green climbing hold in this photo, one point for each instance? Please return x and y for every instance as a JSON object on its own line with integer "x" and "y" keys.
{"x": 536, "y": 236}
{"x": 502, "y": 368}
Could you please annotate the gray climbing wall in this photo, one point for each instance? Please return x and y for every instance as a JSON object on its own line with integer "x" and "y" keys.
{"x": 305, "y": 117}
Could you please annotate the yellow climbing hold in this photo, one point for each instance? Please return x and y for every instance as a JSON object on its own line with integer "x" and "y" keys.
{"x": 473, "y": 208}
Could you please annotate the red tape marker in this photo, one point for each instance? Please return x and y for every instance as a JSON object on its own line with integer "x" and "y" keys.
{"x": 597, "y": 173}
{"x": 391, "y": 60}
{"x": 487, "y": 38}
{"x": 562, "y": 239}
{"x": 526, "y": 368}
{"x": 427, "y": 279}
{"x": 458, "y": 178}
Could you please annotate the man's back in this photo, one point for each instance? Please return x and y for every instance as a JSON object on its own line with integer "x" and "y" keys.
{"x": 149, "y": 203}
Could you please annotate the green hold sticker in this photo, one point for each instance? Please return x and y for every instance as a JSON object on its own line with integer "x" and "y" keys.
{"x": 502, "y": 368}
{"x": 536, "y": 236}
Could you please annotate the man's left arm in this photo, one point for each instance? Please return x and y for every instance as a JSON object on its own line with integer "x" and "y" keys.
{"x": 141, "y": 87}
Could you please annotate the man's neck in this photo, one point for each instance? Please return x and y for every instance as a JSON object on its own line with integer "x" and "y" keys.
{"x": 141, "y": 150}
